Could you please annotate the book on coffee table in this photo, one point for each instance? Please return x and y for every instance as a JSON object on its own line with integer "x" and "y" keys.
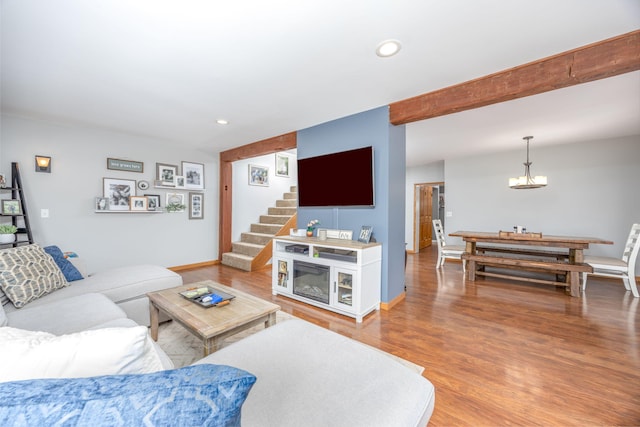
{"x": 207, "y": 296}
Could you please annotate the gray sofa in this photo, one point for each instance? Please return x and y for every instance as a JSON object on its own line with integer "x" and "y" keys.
{"x": 306, "y": 375}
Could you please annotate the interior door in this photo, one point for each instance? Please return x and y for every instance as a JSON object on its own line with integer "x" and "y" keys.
{"x": 425, "y": 215}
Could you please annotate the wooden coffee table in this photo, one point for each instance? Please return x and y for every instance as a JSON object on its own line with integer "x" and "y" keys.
{"x": 212, "y": 324}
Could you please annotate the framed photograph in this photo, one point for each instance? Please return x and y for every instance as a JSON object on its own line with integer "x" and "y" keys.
{"x": 102, "y": 204}
{"x": 196, "y": 205}
{"x": 174, "y": 199}
{"x": 11, "y": 207}
{"x": 143, "y": 185}
{"x": 3, "y": 181}
{"x": 179, "y": 181}
{"x": 166, "y": 174}
{"x": 282, "y": 165}
{"x": 119, "y": 192}
{"x": 153, "y": 202}
{"x": 283, "y": 273}
{"x": 365, "y": 234}
{"x": 139, "y": 203}
{"x": 259, "y": 175}
{"x": 194, "y": 175}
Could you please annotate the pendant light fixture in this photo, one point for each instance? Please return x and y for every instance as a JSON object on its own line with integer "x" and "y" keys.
{"x": 526, "y": 181}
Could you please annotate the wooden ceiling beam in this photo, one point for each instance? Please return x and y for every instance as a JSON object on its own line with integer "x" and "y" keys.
{"x": 607, "y": 58}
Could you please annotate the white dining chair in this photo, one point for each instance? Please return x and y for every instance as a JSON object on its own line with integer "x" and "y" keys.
{"x": 446, "y": 251}
{"x": 623, "y": 268}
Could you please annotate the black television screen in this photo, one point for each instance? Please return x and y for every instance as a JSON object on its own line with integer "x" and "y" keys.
{"x": 337, "y": 179}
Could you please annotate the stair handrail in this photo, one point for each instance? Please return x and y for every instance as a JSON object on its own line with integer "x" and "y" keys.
{"x": 260, "y": 260}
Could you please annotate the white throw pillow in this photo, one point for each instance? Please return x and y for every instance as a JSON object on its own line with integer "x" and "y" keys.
{"x": 109, "y": 351}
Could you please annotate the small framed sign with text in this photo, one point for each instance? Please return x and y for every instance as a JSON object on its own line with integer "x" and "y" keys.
{"x": 125, "y": 165}
{"x": 365, "y": 234}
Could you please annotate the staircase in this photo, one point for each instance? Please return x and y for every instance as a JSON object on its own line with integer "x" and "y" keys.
{"x": 254, "y": 249}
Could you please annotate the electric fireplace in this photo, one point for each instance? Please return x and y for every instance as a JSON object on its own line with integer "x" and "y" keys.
{"x": 311, "y": 281}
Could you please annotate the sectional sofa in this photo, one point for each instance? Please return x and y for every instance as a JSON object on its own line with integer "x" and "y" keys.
{"x": 82, "y": 358}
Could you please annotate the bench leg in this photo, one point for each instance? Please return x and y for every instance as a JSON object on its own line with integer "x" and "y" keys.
{"x": 471, "y": 270}
{"x": 574, "y": 281}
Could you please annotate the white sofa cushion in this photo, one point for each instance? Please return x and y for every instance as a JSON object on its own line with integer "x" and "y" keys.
{"x": 110, "y": 351}
{"x": 328, "y": 379}
{"x": 27, "y": 273}
{"x": 66, "y": 316}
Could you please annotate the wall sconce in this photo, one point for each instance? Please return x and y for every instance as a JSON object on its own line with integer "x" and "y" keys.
{"x": 43, "y": 164}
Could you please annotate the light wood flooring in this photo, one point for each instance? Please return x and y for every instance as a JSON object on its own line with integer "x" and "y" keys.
{"x": 499, "y": 353}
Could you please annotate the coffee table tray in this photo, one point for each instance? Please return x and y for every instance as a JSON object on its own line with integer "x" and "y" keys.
{"x": 197, "y": 294}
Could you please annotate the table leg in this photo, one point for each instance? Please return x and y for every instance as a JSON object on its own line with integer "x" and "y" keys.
{"x": 470, "y": 266}
{"x": 271, "y": 320}
{"x": 211, "y": 345}
{"x": 576, "y": 256}
{"x": 154, "y": 316}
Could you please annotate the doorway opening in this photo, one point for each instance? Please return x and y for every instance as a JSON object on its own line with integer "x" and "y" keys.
{"x": 428, "y": 204}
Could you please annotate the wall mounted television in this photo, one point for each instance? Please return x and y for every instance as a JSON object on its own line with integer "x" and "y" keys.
{"x": 337, "y": 179}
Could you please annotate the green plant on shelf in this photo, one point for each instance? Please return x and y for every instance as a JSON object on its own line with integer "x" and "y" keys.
{"x": 8, "y": 229}
{"x": 175, "y": 207}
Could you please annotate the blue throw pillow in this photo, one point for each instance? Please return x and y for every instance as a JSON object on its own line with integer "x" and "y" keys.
{"x": 69, "y": 270}
{"x": 200, "y": 395}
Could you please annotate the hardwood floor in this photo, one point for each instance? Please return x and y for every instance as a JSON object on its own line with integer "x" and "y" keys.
{"x": 498, "y": 353}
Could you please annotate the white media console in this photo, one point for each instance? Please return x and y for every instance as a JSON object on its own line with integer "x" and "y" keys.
{"x": 334, "y": 274}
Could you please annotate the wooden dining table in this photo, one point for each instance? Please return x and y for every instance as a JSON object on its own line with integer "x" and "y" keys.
{"x": 510, "y": 250}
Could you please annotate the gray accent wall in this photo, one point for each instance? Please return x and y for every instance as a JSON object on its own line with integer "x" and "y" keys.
{"x": 79, "y": 163}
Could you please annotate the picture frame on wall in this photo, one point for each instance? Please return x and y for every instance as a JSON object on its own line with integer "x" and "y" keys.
{"x": 282, "y": 165}
{"x": 11, "y": 207}
{"x": 153, "y": 202}
{"x": 179, "y": 181}
{"x": 119, "y": 192}
{"x": 196, "y": 205}
{"x": 139, "y": 203}
{"x": 194, "y": 175}
{"x": 173, "y": 199}
{"x": 166, "y": 174}
{"x": 102, "y": 204}
{"x": 259, "y": 175}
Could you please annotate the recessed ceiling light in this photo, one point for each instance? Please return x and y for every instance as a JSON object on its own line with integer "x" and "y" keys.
{"x": 388, "y": 48}
{"x": 222, "y": 122}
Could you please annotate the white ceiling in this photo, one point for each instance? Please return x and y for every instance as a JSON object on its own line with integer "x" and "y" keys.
{"x": 167, "y": 69}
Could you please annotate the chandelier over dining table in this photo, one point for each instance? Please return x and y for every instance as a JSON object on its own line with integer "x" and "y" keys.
{"x": 526, "y": 181}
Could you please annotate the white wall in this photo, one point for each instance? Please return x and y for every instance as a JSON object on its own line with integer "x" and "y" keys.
{"x": 78, "y": 167}
{"x": 251, "y": 201}
{"x": 433, "y": 172}
{"x": 592, "y": 191}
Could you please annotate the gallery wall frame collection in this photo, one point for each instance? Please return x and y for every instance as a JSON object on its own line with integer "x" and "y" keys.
{"x": 119, "y": 194}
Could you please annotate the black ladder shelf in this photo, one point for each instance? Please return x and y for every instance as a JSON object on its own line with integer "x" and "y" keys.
{"x": 17, "y": 193}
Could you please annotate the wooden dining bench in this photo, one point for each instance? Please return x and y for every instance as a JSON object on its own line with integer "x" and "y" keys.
{"x": 524, "y": 251}
{"x": 475, "y": 264}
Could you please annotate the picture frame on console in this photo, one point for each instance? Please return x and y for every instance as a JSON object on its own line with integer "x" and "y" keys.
{"x": 365, "y": 234}
{"x": 119, "y": 192}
